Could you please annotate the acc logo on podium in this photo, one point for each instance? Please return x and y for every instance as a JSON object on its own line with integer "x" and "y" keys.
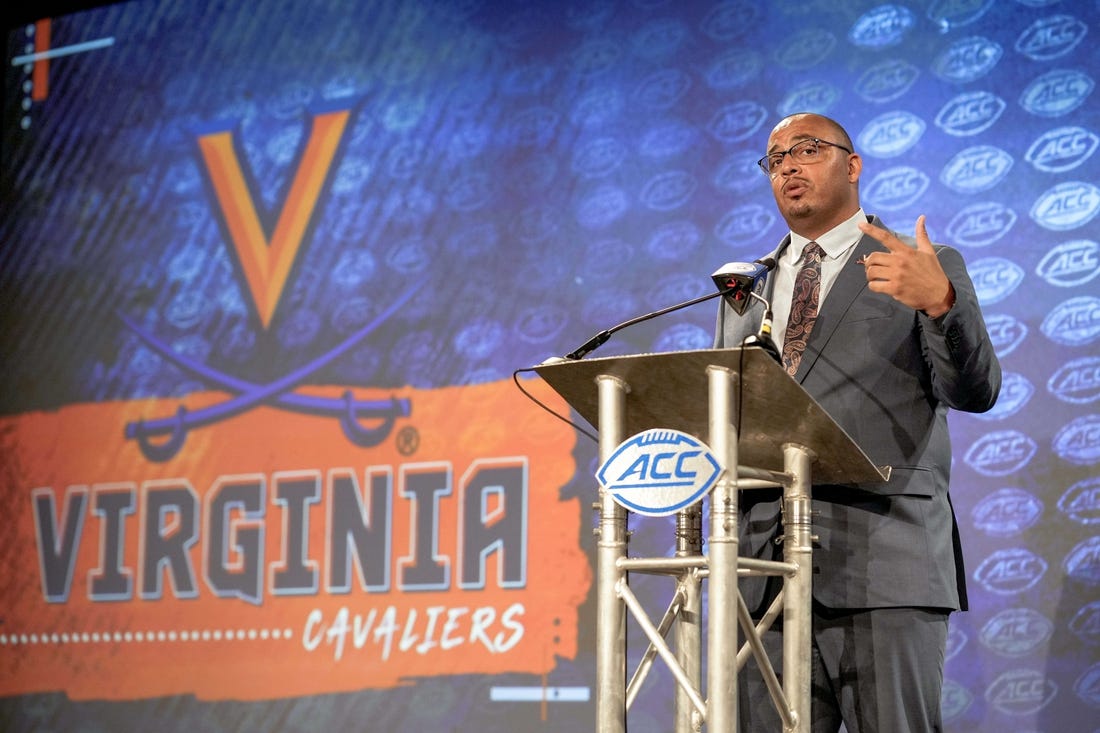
{"x": 659, "y": 472}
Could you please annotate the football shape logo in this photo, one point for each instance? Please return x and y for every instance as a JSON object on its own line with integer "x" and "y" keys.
{"x": 659, "y": 472}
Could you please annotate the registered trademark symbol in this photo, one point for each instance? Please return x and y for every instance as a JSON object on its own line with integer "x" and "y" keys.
{"x": 407, "y": 440}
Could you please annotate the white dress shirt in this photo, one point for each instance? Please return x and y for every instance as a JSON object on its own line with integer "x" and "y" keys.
{"x": 837, "y": 243}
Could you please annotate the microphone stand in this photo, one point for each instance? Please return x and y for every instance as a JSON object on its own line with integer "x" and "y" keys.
{"x": 763, "y": 338}
{"x": 596, "y": 341}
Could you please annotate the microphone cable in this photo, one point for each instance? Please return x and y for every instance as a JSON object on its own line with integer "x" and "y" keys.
{"x": 579, "y": 428}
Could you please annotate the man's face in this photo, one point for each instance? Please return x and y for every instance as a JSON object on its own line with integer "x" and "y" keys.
{"x": 813, "y": 197}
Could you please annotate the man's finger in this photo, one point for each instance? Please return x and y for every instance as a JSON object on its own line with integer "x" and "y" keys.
{"x": 924, "y": 244}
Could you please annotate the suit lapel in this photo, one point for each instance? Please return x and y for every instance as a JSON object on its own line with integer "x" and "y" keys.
{"x": 851, "y": 281}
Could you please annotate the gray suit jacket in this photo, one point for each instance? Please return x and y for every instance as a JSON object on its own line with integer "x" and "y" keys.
{"x": 887, "y": 374}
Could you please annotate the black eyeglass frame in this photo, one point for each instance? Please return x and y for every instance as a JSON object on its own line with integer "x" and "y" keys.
{"x": 763, "y": 162}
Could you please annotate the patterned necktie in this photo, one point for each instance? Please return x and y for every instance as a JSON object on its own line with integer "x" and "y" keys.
{"x": 807, "y": 290}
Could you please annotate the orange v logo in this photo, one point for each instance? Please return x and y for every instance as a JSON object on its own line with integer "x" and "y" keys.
{"x": 266, "y": 263}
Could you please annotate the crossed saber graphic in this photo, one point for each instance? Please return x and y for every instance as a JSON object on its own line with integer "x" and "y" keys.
{"x": 250, "y": 394}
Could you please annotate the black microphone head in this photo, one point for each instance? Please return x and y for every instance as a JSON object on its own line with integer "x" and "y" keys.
{"x": 738, "y": 279}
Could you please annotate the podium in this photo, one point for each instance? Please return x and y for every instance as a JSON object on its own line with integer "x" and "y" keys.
{"x": 766, "y": 432}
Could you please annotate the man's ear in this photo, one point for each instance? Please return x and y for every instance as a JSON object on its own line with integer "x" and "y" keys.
{"x": 855, "y": 167}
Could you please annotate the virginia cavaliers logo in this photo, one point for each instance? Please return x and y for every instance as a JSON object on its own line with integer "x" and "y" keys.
{"x": 265, "y": 255}
{"x": 265, "y": 261}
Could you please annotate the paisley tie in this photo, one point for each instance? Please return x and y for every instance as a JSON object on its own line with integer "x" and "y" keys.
{"x": 807, "y": 291}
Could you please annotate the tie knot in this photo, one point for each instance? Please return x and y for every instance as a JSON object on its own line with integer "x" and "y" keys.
{"x": 812, "y": 253}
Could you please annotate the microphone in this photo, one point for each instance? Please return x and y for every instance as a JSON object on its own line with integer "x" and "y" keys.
{"x": 736, "y": 281}
{"x": 741, "y": 282}
{"x": 740, "y": 279}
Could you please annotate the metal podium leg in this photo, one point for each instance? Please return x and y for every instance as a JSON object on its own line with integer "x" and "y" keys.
{"x": 722, "y": 580}
{"x": 610, "y": 547}
{"x": 689, "y": 624}
{"x": 797, "y": 590}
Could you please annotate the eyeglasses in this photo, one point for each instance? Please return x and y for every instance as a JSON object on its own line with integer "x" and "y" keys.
{"x": 804, "y": 152}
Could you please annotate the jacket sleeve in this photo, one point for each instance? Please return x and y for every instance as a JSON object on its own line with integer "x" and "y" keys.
{"x": 966, "y": 374}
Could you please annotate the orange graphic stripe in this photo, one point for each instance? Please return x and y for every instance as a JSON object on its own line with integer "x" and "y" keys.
{"x": 40, "y": 77}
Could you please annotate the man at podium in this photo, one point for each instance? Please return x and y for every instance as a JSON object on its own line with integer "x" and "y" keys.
{"x": 885, "y": 332}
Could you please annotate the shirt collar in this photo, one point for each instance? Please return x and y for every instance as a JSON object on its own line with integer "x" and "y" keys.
{"x": 835, "y": 242}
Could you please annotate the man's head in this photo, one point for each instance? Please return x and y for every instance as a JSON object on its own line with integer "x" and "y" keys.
{"x": 814, "y": 191}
